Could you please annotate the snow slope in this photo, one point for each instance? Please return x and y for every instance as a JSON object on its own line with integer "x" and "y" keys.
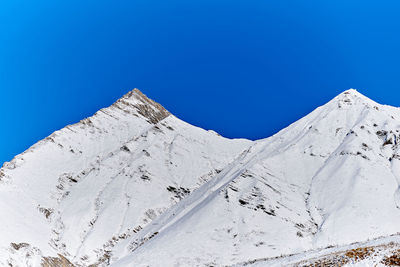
{"x": 135, "y": 186}
{"x": 90, "y": 185}
{"x": 384, "y": 251}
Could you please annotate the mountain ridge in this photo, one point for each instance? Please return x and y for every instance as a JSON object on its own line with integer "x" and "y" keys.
{"x": 136, "y": 93}
{"x": 134, "y": 181}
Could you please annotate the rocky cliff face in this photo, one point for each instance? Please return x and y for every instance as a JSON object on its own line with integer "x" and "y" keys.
{"x": 135, "y": 186}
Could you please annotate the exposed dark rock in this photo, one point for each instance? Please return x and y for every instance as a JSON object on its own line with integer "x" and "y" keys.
{"x": 148, "y": 108}
{"x": 59, "y": 261}
{"x": 17, "y": 246}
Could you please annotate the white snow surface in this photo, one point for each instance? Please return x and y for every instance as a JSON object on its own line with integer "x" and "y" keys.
{"x": 377, "y": 250}
{"x": 135, "y": 186}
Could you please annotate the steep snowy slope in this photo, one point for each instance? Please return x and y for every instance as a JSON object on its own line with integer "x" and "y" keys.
{"x": 87, "y": 187}
{"x": 329, "y": 179}
{"x": 135, "y": 186}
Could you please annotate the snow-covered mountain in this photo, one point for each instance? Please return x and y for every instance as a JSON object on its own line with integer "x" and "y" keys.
{"x": 135, "y": 186}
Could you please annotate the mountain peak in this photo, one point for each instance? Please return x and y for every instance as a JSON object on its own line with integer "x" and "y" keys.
{"x": 353, "y": 97}
{"x": 351, "y": 93}
{"x": 148, "y": 108}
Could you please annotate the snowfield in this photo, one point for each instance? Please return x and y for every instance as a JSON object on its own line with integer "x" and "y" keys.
{"x": 135, "y": 186}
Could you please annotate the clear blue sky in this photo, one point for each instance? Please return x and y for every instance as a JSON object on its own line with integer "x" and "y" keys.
{"x": 242, "y": 68}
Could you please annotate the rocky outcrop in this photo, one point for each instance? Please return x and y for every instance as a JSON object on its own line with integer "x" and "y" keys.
{"x": 59, "y": 261}
{"x": 151, "y": 110}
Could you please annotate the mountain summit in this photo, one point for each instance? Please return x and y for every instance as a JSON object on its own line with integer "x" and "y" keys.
{"x": 135, "y": 186}
{"x": 146, "y": 107}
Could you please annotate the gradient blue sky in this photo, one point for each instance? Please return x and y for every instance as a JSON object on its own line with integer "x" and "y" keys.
{"x": 242, "y": 68}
